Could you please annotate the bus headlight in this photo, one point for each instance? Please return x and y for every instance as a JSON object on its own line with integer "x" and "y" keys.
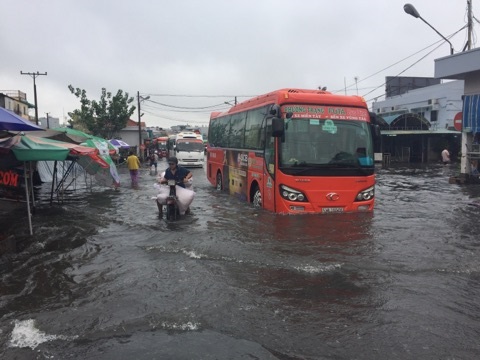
{"x": 291, "y": 194}
{"x": 366, "y": 194}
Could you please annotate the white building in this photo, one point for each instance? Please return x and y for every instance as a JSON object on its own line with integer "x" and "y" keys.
{"x": 437, "y": 104}
{"x": 49, "y": 123}
{"x": 466, "y": 66}
{"x": 419, "y": 123}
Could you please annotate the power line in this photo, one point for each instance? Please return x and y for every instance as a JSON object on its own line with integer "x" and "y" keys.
{"x": 186, "y": 110}
{"x": 416, "y": 62}
{"x": 401, "y": 72}
{"x": 176, "y": 119}
{"x": 398, "y": 62}
{"x": 186, "y": 107}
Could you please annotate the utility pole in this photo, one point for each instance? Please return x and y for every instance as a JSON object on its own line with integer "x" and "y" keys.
{"x": 468, "y": 45}
{"x": 48, "y": 121}
{"x": 34, "y": 75}
{"x": 140, "y": 98}
{"x": 139, "y": 126}
{"x": 229, "y": 103}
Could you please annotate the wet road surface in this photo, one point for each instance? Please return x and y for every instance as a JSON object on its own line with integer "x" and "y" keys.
{"x": 104, "y": 278}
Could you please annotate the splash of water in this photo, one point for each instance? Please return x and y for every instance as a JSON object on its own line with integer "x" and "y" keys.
{"x": 25, "y": 334}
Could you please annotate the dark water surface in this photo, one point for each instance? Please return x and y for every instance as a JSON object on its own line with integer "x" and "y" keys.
{"x": 104, "y": 278}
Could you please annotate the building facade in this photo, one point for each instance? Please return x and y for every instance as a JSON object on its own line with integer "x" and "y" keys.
{"x": 416, "y": 125}
{"x": 16, "y": 101}
{"x": 466, "y": 66}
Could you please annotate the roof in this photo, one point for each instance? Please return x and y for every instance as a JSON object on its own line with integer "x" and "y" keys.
{"x": 131, "y": 122}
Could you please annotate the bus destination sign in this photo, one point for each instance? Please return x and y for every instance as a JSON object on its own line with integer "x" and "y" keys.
{"x": 326, "y": 112}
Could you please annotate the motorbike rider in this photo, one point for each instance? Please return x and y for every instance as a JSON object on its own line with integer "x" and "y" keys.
{"x": 181, "y": 176}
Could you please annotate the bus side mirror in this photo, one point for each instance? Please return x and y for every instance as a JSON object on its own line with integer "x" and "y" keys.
{"x": 275, "y": 110}
{"x": 278, "y": 127}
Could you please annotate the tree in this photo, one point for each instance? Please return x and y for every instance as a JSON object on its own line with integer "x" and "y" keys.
{"x": 104, "y": 118}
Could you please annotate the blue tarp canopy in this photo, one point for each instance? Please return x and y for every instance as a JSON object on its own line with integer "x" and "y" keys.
{"x": 9, "y": 121}
{"x": 471, "y": 113}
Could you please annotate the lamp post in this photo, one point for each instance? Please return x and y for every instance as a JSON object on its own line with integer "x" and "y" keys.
{"x": 410, "y": 9}
{"x": 139, "y": 99}
{"x": 34, "y": 75}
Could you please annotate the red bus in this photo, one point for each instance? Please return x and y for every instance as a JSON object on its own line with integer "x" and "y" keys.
{"x": 162, "y": 146}
{"x": 296, "y": 151}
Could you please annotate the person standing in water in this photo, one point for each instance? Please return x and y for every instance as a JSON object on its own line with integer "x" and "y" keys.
{"x": 133, "y": 164}
{"x": 445, "y": 156}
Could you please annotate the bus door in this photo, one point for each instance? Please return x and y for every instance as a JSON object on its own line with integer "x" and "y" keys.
{"x": 268, "y": 184}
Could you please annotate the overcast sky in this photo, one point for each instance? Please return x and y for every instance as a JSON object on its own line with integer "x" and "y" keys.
{"x": 196, "y": 55}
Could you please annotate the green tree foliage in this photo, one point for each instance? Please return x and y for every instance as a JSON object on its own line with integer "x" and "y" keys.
{"x": 104, "y": 118}
{"x": 75, "y": 123}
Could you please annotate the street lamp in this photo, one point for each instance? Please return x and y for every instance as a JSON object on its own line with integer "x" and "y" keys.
{"x": 410, "y": 9}
{"x": 140, "y": 98}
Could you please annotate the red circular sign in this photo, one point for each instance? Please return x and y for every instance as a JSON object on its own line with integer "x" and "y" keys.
{"x": 457, "y": 121}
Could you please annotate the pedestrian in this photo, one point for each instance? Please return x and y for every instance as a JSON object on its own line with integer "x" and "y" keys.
{"x": 474, "y": 168}
{"x": 153, "y": 161}
{"x": 445, "y": 156}
{"x": 133, "y": 164}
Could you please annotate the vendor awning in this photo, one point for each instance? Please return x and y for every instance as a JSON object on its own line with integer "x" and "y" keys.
{"x": 28, "y": 148}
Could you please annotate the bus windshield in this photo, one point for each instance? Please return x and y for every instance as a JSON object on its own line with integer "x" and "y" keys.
{"x": 326, "y": 143}
{"x": 190, "y": 146}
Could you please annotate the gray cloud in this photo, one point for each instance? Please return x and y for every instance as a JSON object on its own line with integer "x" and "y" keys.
{"x": 214, "y": 48}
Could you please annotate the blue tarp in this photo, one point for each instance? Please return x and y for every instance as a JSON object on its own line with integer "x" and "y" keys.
{"x": 12, "y": 122}
{"x": 471, "y": 113}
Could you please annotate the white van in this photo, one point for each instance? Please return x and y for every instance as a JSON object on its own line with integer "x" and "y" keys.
{"x": 189, "y": 149}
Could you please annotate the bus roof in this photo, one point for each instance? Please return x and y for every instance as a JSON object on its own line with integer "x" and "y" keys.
{"x": 292, "y": 95}
{"x": 188, "y": 135}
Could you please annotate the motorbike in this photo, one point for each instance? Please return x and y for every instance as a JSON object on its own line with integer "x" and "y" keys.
{"x": 174, "y": 205}
{"x": 172, "y": 201}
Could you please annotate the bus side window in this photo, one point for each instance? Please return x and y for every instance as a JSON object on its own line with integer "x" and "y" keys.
{"x": 255, "y": 129}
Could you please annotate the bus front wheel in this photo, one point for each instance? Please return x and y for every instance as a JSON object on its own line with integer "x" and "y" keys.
{"x": 219, "y": 185}
{"x": 257, "y": 198}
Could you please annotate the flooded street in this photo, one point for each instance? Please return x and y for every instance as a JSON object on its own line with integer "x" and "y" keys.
{"x": 104, "y": 278}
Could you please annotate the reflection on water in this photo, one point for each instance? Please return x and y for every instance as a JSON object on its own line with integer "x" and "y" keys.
{"x": 103, "y": 277}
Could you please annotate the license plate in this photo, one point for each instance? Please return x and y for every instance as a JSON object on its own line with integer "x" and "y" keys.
{"x": 329, "y": 210}
{"x": 297, "y": 208}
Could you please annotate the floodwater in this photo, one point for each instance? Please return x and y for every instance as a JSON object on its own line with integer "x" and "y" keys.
{"x": 104, "y": 278}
